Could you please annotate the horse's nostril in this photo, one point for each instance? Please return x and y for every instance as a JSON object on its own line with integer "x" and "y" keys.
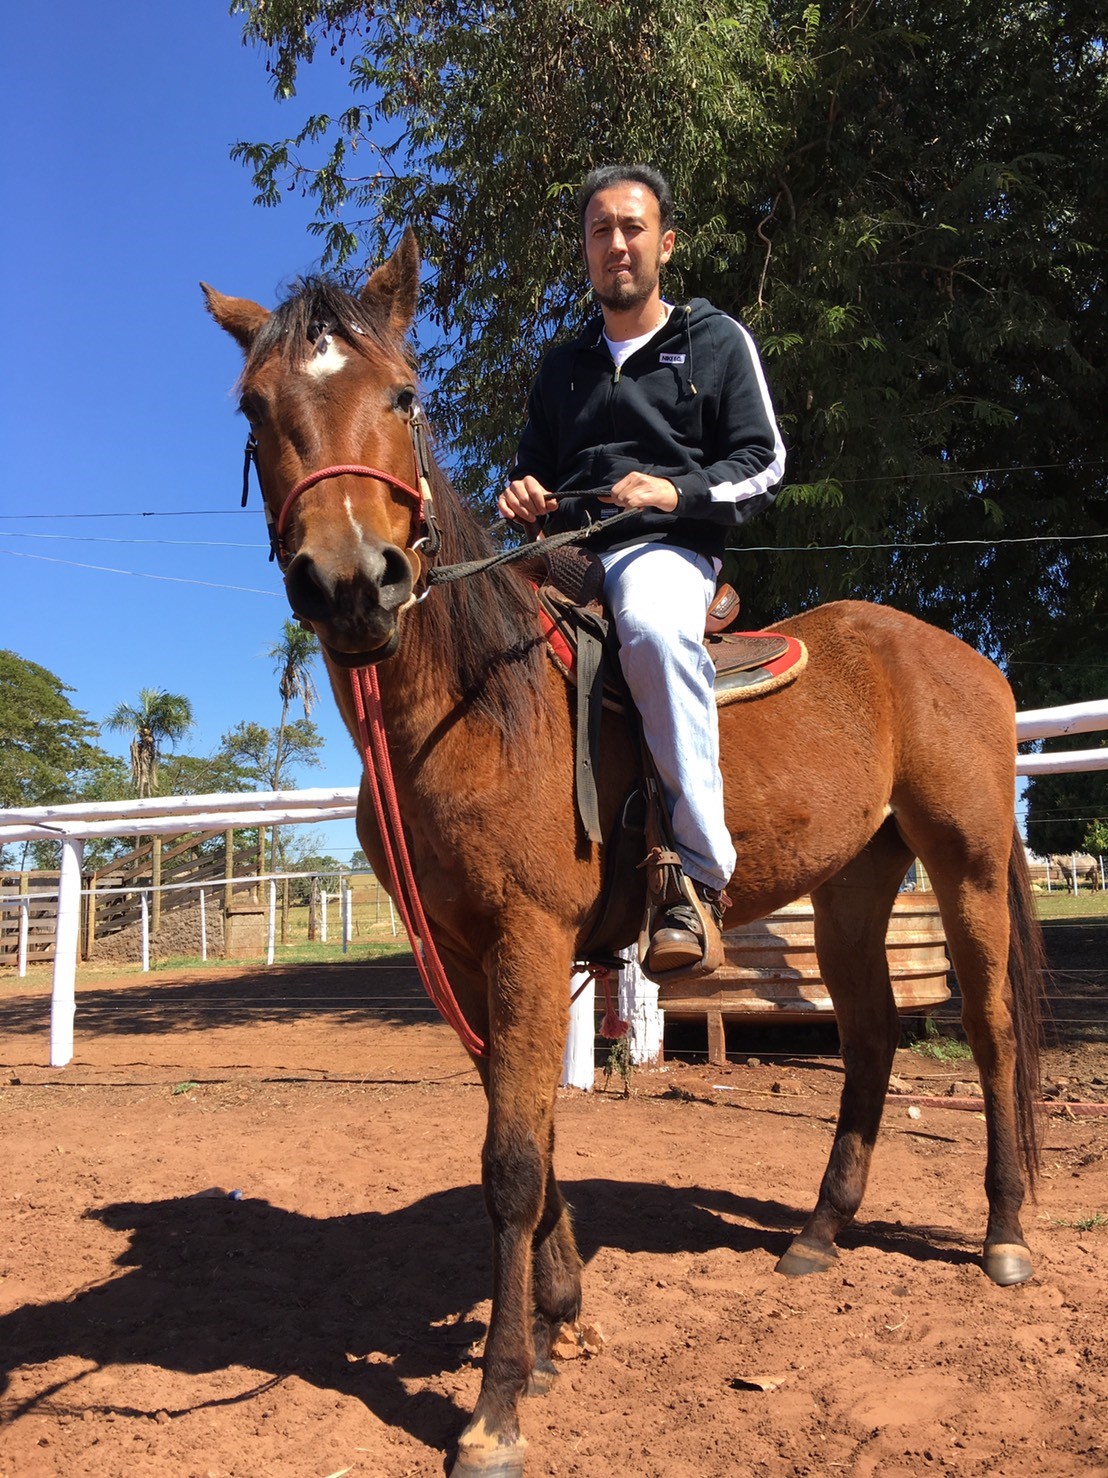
{"x": 396, "y": 577}
{"x": 310, "y": 590}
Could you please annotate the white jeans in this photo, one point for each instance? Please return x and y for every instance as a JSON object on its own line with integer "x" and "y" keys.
{"x": 659, "y": 596}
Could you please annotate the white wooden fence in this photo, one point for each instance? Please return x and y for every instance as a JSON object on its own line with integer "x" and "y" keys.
{"x": 70, "y": 825}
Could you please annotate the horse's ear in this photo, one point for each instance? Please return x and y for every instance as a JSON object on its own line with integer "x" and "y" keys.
{"x": 239, "y": 316}
{"x": 394, "y": 286}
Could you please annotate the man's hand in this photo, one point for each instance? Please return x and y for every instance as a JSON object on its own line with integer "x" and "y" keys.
{"x": 526, "y": 500}
{"x": 641, "y": 490}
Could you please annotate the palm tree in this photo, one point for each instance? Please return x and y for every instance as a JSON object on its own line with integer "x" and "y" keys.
{"x": 292, "y": 657}
{"x": 159, "y": 718}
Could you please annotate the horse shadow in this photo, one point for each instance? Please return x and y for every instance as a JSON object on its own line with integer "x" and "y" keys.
{"x": 206, "y": 1284}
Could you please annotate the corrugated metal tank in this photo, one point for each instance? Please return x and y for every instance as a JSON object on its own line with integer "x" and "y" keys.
{"x": 771, "y": 974}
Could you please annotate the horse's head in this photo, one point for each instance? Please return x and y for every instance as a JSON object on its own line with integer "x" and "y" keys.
{"x": 328, "y": 388}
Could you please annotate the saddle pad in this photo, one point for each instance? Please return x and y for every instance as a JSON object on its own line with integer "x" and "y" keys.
{"x": 750, "y": 664}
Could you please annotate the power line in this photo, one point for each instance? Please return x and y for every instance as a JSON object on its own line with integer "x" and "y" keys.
{"x": 922, "y": 544}
{"x": 137, "y": 574}
{"x": 137, "y": 513}
{"x": 102, "y": 539}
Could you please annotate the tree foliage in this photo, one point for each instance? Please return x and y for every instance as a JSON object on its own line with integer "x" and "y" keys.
{"x": 48, "y": 752}
{"x": 907, "y": 204}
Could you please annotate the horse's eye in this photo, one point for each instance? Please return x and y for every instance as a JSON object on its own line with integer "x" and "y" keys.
{"x": 404, "y": 400}
{"x": 253, "y": 408}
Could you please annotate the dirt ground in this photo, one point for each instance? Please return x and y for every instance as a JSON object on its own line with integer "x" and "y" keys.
{"x": 330, "y": 1321}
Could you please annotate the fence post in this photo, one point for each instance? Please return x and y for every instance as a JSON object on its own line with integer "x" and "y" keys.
{"x": 638, "y": 1006}
{"x": 313, "y": 907}
{"x": 271, "y": 929}
{"x": 284, "y": 910}
{"x": 63, "y": 1001}
{"x": 579, "y": 1058}
{"x": 145, "y": 904}
{"x": 156, "y": 884}
{"x": 228, "y": 868}
{"x": 24, "y": 933}
{"x": 323, "y": 915}
{"x": 90, "y": 917}
{"x": 203, "y": 927}
{"x": 344, "y": 914}
{"x": 1073, "y": 869}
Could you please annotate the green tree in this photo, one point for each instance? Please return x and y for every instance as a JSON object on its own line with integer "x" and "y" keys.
{"x": 47, "y": 748}
{"x": 1095, "y": 839}
{"x": 48, "y": 753}
{"x": 292, "y": 656}
{"x": 159, "y": 719}
{"x": 906, "y": 204}
{"x": 253, "y": 749}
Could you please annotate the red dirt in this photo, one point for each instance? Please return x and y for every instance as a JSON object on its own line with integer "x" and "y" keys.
{"x": 331, "y": 1321}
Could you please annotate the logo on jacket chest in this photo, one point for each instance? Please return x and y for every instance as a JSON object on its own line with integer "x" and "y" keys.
{"x": 671, "y": 359}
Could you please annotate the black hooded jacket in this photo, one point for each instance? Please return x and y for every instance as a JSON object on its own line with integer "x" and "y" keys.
{"x": 690, "y": 405}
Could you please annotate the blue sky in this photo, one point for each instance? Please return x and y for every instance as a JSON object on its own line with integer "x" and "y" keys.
{"x": 119, "y": 197}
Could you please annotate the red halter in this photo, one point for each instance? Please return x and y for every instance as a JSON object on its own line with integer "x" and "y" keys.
{"x": 423, "y": 515}
{"x": 353, "y": 469}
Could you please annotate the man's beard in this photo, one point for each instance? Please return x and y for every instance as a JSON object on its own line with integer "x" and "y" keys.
{"x": 621, "y": 296}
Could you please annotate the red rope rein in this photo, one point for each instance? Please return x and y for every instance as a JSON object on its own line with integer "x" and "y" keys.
{"x": 378, "y": 768}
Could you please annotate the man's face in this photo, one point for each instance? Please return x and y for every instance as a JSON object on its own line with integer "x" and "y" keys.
{"x": 625, "y": 246}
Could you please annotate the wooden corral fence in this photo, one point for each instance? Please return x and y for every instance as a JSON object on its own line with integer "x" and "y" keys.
{"x": 28, "y": 916}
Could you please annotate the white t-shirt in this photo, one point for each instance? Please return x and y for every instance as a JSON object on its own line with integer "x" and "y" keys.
{"x": 622, "y": 349}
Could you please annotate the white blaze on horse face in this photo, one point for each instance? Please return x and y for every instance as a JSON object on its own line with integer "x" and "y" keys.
{"x": 327, "y": 359}
{"x": 354, "y": 524}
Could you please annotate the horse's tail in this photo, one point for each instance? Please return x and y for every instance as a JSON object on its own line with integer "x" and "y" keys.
{"x": 1027, "y": 967}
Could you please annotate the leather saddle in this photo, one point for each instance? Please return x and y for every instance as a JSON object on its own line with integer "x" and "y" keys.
{"x": 748, "y": 663}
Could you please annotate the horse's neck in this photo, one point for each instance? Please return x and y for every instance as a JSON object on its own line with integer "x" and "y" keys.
{"x": 429, "y": 725}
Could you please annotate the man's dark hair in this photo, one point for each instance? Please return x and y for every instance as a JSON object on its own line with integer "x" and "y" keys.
{"x": 621, "y": 174}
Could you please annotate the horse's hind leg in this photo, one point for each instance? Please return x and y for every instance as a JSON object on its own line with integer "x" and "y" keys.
{"x": 974, "y": 900}
{"x": 851, "y": 920}
{"x": 556, "y": 1276}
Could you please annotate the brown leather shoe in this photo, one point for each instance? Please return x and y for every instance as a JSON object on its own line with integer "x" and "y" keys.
{"x": 677, "y": 941}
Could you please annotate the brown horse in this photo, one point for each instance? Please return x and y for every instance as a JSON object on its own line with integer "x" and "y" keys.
{"x": 897, "y": 742}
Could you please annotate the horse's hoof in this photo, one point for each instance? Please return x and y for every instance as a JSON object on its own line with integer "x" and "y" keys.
{"x": 1007, "y": 1263}
{"x": 802, "y": 1258}
{"x": 541, "y": 1380}
{"x": 506, "y": 1462}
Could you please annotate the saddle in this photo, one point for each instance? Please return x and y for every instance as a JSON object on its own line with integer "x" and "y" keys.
{"x": 583, "y": 646}
{"x": 748, "y": 664}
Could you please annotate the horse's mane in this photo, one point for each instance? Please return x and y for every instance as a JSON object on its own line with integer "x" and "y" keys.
{"x": 483, "y": 628}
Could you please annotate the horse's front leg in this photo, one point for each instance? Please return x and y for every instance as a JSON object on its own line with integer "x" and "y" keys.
{"x": 556, "y": 1277}
{"x": 529, "y": 985}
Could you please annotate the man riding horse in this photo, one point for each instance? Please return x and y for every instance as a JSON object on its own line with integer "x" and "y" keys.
{"x": 668, "y": 405}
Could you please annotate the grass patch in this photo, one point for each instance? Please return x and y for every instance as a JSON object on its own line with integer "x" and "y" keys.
{"x": 1085, "y": 1223}
{"x": 1090, "y": 906}
{"x": 939, "y": 1048}
{"x": 287, "y": 954}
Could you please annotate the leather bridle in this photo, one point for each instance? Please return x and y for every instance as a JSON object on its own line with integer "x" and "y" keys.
{"x": 424, "y": 534}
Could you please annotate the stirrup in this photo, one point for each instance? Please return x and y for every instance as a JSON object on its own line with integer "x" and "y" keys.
{"x": 682, "y": 951}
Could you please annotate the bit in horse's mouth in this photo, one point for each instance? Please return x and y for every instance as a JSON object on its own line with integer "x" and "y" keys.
{"x": 364, "y": 659}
